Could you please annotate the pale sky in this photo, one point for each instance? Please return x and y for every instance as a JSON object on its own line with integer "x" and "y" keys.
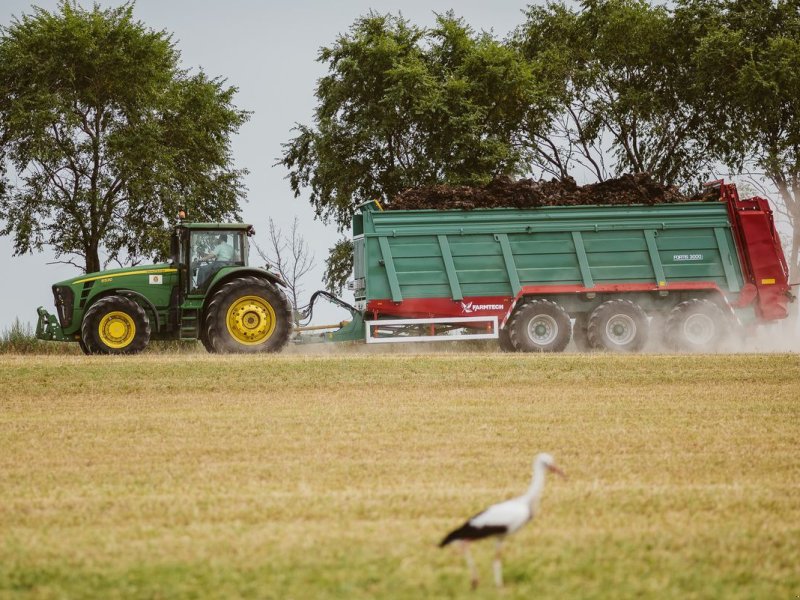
{"x": 268, "y": 50}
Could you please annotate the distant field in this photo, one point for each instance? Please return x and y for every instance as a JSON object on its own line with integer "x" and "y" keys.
{"x": 194, "y": 476}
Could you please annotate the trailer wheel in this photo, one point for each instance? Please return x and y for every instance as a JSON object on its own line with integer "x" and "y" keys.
{"x": 115, "y": 325}
{"x": 696, "y": 326}
{"x": 539, "y": 326}
{"x": 579, "y": 334}
{"x": 248, "y": 315}
{"x": 618, "y": 326}
{"x": 504, "y": 339}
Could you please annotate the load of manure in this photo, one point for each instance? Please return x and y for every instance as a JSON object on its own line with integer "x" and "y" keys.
{"x": 504, "y": 192}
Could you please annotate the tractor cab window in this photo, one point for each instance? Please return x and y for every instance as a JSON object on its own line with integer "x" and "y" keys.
{"x": 211, "y": 251}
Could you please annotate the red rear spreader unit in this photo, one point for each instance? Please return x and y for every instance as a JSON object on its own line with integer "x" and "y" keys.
{"x": 687, "y": 275}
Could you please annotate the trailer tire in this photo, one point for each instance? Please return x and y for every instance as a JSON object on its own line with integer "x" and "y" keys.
{"x": 696, "y": 325}
{"x": 539, "y": 326}
{"x": 579, "y": 334}
{"x": 504, "y": 339}
{"x": 248, "y": 315}
{"x": 618, "y": 326}
{"x": 115, "y": 325}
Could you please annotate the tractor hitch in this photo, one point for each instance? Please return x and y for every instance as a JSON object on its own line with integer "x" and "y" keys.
{"x": 48, "y": 327}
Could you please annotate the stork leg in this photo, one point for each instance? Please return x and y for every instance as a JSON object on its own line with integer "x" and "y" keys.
{"x": 498, "y": 565}
{"x": 473, "y": 572}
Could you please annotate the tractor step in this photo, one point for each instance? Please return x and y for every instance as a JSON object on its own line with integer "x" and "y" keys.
{"x": 190, "y": 324}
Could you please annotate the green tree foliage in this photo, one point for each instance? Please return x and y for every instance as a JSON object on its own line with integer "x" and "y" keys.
{"x": 338, "y": 266}
{"x": 108, "y": 136}
{"x": 629, "y": 100}
{"x": 679, "y": 90}
{"x": 749, "y": 65}
{"x": 402, "y": 106}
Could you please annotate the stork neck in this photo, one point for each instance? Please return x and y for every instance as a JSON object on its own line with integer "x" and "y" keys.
{"x": 537, "y": 485}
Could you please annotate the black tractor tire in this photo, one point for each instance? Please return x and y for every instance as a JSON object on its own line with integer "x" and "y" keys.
{"x": 115, "y": 325}
{"x": 204, "y": 340}
{"x": 579, "y": 334}
{"x": 504, "y": 339}
{"x": 618, "y": 326}
{"x": 248, "y": 315}
{"x": 539, "y": 326}
{"x": 696, "y": 325}
{"x": 84, "y": 348}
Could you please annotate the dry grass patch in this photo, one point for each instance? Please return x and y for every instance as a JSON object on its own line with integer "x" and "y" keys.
{"x": 334, "y": 477}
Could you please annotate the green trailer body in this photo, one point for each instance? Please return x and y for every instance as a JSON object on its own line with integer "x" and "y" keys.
{"x": 459, "y": 263}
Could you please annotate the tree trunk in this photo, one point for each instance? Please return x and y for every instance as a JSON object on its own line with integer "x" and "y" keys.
{"x": 93, "y": 259}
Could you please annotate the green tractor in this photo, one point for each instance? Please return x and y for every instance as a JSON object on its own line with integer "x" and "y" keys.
{"x": 207, "y": 292}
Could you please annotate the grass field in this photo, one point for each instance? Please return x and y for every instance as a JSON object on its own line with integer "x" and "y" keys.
{"x": 335, "y": 477}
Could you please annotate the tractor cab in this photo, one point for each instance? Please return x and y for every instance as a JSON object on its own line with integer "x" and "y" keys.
{"x": 201, "y": 250}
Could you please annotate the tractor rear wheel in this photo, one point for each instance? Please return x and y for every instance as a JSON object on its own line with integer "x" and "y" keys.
{"x": 115, "y": 325}
{"x": 84, "y": 348}
{"x": 247, "y": 315}
{"x": 539, "y": 326}
{"x": 696, "y": 326}
{"x": 618, "y": 326}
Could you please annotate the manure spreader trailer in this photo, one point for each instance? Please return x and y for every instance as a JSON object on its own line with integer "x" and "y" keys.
{"x": 691, "y": 273}
{"x": 609, "y": 277}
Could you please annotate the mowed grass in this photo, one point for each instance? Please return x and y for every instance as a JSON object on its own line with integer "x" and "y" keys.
{"x": 297, "y": 476}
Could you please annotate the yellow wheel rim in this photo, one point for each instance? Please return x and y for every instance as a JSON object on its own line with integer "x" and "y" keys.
{"x": 251, "y": 320}
{"x": 117, "y": 329}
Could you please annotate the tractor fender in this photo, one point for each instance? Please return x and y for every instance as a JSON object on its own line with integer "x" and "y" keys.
{"x": 226, "y": 274}
{"x": 230, "y": 273}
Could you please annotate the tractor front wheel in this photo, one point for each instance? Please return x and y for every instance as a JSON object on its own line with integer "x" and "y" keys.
{"x": 115, "y": 325}
{"x": 247, "y": 315}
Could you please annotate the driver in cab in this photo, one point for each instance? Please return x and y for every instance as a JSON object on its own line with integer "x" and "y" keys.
{"x": 219, "y": 256}
{"x": 222, "y": 252}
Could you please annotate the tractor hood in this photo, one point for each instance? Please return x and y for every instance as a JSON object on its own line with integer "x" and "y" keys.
{"x": 119, "y": 274}
{"x": 72, "y": 296}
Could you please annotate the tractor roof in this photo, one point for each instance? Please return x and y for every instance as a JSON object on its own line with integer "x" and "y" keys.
{"x": 215, "y": 226}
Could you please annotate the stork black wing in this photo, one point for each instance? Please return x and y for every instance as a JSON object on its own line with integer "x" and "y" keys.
{"x": 470, "y": 532}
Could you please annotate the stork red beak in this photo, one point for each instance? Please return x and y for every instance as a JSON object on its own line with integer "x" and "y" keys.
{"x": 558, "y": 471}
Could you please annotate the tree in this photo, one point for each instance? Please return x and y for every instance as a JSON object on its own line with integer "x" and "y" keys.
{"x": 291, "y": 257}
{"x": 749, "y": 64}
{"x": 403, "y": 106}
{"x": 108, "y": 137}
{"x": 338, "y": 266}
{"x": 628, "y": 96}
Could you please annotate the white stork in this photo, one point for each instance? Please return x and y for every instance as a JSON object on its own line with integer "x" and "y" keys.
{"x": 503, "y": 519}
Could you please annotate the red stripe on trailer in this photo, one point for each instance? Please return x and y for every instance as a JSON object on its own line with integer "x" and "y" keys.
{"x": 501, "y": 306}
{"x": 476, "y": 306}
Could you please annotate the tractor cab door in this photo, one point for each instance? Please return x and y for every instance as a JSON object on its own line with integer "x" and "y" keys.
{"x": 210, "y": 251}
